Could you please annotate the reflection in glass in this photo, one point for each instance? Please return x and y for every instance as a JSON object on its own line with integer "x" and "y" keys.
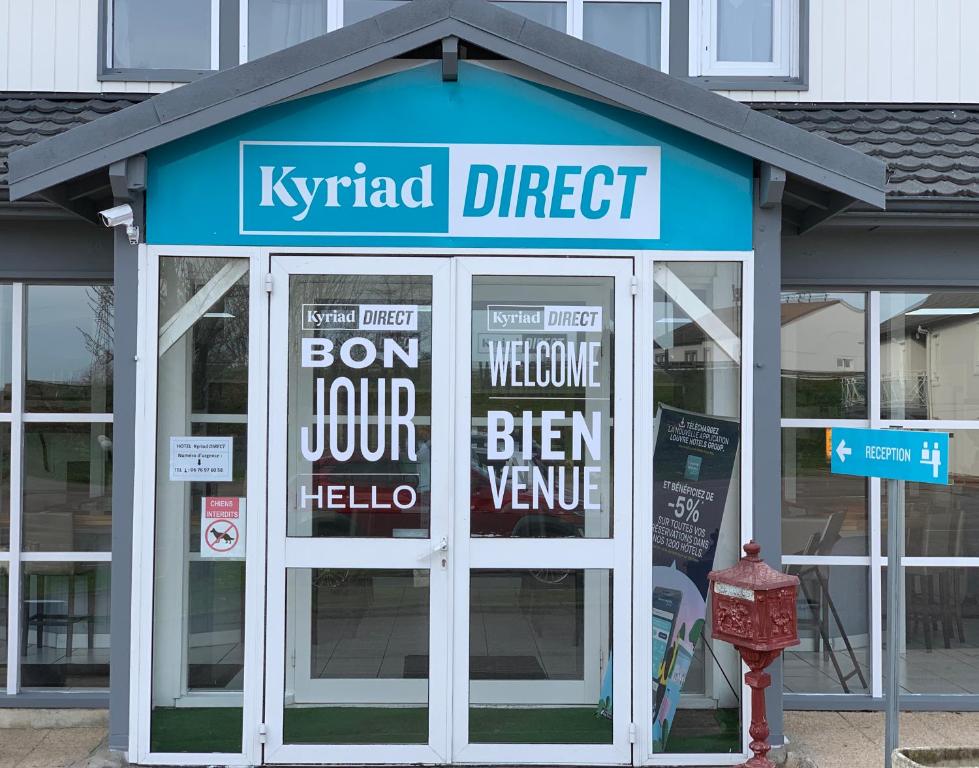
{"x": 941, "y": 630}
{"x": 929, "y": 355}
{"x": 628, "y": 29}
{"x": 4, "y": 487}
{"x": 6, "y": 340}
{"x": 822, "y": 513}
{"x": 358, "y": 644}
{"x": 824, "y": 354}
{"x": 198, "y": 601}
{"x": 358, "y": 10}
{"x": 65, "y": 625}
{"x": 277, "y": 24}
{"x": 942, "y": 520}
{"x": 696, "y": 333}
{"x": 67, "y": 488}
{"x": 553, "y": 15}
{"x": 833, "y": 611}
{"x": 532, "y": 633}
{"x": 69, "y": 348}
{"x": 542, "y": 388}
{"x": 360, "y": 405}
{"x": 148, "y": 34}
{"x": 744, "y": 30}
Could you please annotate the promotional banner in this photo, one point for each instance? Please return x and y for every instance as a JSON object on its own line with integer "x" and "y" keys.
{"x": 693, "y": 463}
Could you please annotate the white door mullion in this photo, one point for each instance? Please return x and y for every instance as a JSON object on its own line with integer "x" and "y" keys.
{"x": 14, "y": 632}
{"x": 874, "y": 489}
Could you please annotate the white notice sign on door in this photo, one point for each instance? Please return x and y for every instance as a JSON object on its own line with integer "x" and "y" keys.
{"x": 200, "y": 458}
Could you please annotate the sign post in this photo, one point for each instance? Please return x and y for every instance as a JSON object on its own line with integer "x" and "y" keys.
{"x": 898, "y": 456}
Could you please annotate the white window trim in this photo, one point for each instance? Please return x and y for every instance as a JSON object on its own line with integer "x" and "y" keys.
{"x": 703, "y": 59}
{"x": 110, "y": 37}
{"x": 574, "y": 24}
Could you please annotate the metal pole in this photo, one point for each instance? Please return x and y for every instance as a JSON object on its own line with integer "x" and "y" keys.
{"x": 895, "y": 614}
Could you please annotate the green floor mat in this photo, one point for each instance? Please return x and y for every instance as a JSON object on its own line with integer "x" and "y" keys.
{"x": 708, "y": 731}
{"x": 538, "y": 725}
{"x": 196, "y": 729}
{"x": 355, "y": 725}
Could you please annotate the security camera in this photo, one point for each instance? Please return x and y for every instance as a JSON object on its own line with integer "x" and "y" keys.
{"x": 121, "y": 216}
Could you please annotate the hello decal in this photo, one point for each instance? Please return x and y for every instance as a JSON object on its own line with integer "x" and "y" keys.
{"x": 454, "y": 190}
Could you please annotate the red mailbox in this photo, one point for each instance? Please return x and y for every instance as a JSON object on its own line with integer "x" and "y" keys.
{"x": 753, "y": 607}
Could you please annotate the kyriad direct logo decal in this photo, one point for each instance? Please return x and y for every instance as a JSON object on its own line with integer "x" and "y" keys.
{"x": 454, "y": 190}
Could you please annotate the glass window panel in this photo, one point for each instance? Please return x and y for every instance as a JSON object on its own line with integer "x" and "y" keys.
{"x": 834, "y": 629}
{"x": 65, "y": 625}
{"x": 541, "y": 432}
{"x": 553, "y": 15}
{"x": 148, "y": 34}
{"x": 531, "y": 634}
{"x": 4, "y": 619}
{"x": 67, "y": 488}
{"x": 744, "y": 30}
{"x": 199, "y": 606}
{"x": 696, "y": 337}
{"x": 822, "y": 513}
{"x": 358, "y": 10}
{"x": 942, "y": 520}
{"x": 4, "y": 487}
{"x": 941, "y": 635}
{"x": 277, "y": 24}
{"x": 628, "y": 29}
{"x": 360, "y": 429}
{"x": 6, "y": 341}
{"x": 359, "y": 642}
{"x": 824, "y": 354}
{"x": 69, "y": 348}
{"x": 929, "y": 355}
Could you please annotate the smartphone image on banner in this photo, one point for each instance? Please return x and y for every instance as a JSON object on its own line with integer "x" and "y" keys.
{"x": 666, "y": 607}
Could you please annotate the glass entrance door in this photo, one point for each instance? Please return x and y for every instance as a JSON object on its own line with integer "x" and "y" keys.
{"x": 542, "y": 545}
{"x": 449, "y": 516}
{"x": 358, "y": 510}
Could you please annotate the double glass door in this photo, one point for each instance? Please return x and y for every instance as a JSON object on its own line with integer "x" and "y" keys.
{"x": 449, "y": 527}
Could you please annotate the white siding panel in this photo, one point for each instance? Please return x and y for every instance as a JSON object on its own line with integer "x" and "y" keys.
{"x": 4, "y": 40}
{"x": 19, "y": 46}
{"x": 969, "y": 59}
{"x": 856, "y": 80}
{"x": 834, "y": 46}
{"x": 815, "y": 52}
{"x": 66, "y": 52}
{"x": 44, "y": 47}
{"x": 949, "y": 50}
{"x": 879, "y": 51}
{"x": 926, "y": 49}
{"x": 88, "y": 48}
{"x": 905, "y": 53}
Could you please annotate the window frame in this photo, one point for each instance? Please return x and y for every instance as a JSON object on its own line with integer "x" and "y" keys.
{"x": 17, "y": 417}
{"x": 574, "y": 26}
{"x": 108, "y": 72}
{"x": 789, "y": 69}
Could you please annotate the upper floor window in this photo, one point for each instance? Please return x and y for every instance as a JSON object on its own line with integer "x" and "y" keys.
{"x": 745, "y": 38}
{"x": 178, "y": 37}
{"x": 277, "y": 24}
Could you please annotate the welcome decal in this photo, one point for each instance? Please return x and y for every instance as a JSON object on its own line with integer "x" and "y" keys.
{"x": 451, "y": 190}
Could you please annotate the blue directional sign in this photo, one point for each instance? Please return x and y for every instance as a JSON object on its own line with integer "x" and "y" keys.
{"x": 897, "y": 454}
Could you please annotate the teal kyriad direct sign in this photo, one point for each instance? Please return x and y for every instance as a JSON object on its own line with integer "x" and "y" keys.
{"x": 489, "y": 161}
{"x": 463, "y": 190}
{"x": 896, "y": 454}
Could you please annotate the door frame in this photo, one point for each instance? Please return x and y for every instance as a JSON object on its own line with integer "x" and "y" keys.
{"x": 286, "y": 552}
{"x": 614, "y": 554}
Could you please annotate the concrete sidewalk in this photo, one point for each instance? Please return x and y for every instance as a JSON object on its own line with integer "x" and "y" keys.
{"x": 825, "y": 739}
{"x": 856, "y": 739}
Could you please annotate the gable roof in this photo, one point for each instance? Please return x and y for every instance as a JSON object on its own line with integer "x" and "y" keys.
{"x": 296, "y": 70}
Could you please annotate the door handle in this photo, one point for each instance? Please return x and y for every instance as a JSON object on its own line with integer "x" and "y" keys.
{"x": 439, "y": 549}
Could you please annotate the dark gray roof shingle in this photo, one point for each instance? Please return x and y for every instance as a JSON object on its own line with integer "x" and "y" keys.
{"x": 26, "y": 118}
{"x": 930, "y": 151}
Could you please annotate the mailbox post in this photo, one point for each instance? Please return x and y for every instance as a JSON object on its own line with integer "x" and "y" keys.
{"x": 753, "y": 607}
